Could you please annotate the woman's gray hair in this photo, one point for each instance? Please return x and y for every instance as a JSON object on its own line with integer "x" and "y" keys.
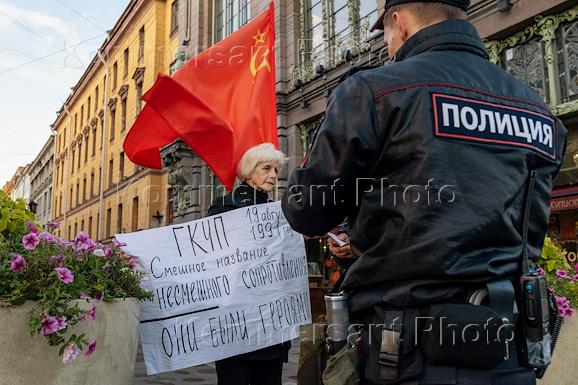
{"x": 262, "y": 153}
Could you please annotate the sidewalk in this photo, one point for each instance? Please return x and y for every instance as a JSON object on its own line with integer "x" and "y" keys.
{"x": 205, "y": 374}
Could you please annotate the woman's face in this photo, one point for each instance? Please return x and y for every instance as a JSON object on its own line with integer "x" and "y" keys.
{"x": 264, "y": 176}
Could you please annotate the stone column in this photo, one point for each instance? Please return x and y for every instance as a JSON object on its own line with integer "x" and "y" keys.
{"x": 183, "y": 170}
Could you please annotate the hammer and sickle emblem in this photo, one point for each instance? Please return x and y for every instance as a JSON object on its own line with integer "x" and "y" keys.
{"x": 264, "y": 61}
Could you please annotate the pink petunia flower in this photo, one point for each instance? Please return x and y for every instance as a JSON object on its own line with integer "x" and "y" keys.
{"x": 85, "y": 296}
{"x": 47, "y": 237}
{"x": 99, "y": 296}
{"x": 52, "y": 225}
{"x": 132, "y": 263}
{"x": 30, "y": 241}
{"x": 61, "y": 322}
{"x": 31, "y": 227}
{"x": 576, "y": 267}
{"x": 90, "y": 315}
{"x": 71, "y": 352}
{"x": 56, "y": 260}
{"x": 18, "y": 263}
{"x": 64, "y": 275}
{"x": 562, "y": 273}
{"x": 90, "y": 348}
{"x": 49, "y": 325}
{"x": 540, "y": 271}
{"x": 575, "y": 278}
{"x": 118, "y": 243}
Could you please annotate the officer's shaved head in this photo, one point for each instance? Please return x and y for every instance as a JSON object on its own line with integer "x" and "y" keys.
{"x": 425, "y": 14}
{"x": 402, "y": 21}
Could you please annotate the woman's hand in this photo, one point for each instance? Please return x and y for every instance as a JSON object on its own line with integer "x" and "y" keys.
{"x": 340, "y": 251}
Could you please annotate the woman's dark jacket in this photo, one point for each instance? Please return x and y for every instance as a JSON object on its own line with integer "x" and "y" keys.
{"x": 242, "y": 196}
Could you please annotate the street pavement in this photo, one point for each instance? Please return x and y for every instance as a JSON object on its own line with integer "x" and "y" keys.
{"x": 205, "y": 374}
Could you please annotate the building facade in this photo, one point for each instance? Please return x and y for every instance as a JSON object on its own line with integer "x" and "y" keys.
{"x": 96, "y": 189}
{"x": 21, "y": 189}
{"x": 318, "y": 41}
{"x": 41, "y": 171}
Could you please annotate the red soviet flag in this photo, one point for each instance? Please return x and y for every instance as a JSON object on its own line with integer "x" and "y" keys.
{"x": 220, "y": 103}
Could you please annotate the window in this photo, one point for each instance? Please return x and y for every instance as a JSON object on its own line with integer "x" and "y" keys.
{"x": 72, "y": 163}
{"x": 94, "y": 141}
{"x": 141, "y": 43}
{"x": 79, "y": 153}
{"x": 134, "y": 222}
{"x": 526, "y": 63}
{"x": 75, "y": 228}
{"x": 174, "y": 16}
{"x": 119, "y": 219}
{"x": 96, "y": 99}
{"x": 77, "y": 193}
{"x": 110, "y": 171}
{"x": 91, "y": 193}
{"x": 86, "y": 148}
{"x": 121, "y": 166}
{"x": 125, "y": 72}
{"x": 84, "y": 189}
{"x": 123, "y": 114}
{"x": 108, "y": 218}
{"x": 229, "y": 16}
{"x": 82, "y": 225}
{"x": 81, "y": 116}
{"x": 75, "y": 123}
{"x": 112, "y": 123}
{"x": 138, "y": 97}
{"x": 88, "y": 109}
{"x": 89, "y": 226}
{"x": 60, "y": 205}
{"x": 568, "y": 61}
{"x": 114, "y": 75}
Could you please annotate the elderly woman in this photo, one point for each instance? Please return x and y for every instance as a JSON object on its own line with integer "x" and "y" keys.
{"x": 258, "y": 171}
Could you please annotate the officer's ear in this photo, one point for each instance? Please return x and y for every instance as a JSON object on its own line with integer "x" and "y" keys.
{"x": 402, "y": 22}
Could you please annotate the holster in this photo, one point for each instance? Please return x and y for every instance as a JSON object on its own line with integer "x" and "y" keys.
{"x": 387, "y": 348}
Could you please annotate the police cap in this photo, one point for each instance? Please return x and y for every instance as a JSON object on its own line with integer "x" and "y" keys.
{"x": 462, "y": 4}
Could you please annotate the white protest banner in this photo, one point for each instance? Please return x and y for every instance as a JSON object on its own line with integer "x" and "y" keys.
{"x": 223, "y": 285}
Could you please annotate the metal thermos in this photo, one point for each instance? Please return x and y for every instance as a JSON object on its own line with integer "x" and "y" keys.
{"x": 337, "y": 320}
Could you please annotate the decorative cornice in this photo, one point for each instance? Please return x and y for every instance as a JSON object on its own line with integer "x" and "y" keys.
{"x": 138, "y": 75}
{"x": 123, "y": 92}
{"x": 79, "y": 139}
{"x": 112, "y": 102}
{"x": 101, "y": 114}
{"x": 93, "y": 123}
{"x": 73, "y": 144}
{"x": 544, "y": 26}
{"x": 566, "y": 108}
{"x": 86, "y": 131}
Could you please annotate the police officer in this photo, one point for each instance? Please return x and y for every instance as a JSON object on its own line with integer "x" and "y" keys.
{"x": 429, "y": 159}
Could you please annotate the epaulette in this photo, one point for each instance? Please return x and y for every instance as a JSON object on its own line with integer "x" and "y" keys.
{"x": 353, "y": 70}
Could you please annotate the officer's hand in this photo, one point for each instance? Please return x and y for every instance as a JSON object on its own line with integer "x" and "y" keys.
{"x": 340, "y": 251}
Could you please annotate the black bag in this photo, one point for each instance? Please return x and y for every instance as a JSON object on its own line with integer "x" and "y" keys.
{"x": 464, "y": 335}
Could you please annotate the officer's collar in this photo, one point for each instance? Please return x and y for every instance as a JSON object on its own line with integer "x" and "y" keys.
{"x": 458, "y": 35}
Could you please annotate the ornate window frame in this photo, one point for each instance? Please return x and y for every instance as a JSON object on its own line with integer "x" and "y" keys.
{"x": 545, "y": 28}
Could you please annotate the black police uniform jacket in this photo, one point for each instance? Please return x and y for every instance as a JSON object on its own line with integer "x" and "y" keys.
{"x": 242, "y": 196}
{"x": 429, "y": 158}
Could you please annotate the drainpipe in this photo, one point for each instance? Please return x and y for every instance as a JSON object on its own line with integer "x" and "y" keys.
{"x": 66, "y": 170}
{"x": 50, "y": 214}
{"x": 104, "y": 63}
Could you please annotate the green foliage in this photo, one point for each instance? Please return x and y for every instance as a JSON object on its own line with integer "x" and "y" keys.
{"x": 101, "y": 272}
{"x": 555, "y": 265}
{"x": 13, "y": 215}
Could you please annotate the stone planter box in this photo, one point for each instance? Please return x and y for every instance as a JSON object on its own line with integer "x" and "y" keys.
{"x": 562, "y": 371}
{"x": 26, "y": 360}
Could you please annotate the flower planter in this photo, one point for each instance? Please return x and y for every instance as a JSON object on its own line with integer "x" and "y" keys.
{"x": 561, "y": 371}
{"x": 26, "y": 360}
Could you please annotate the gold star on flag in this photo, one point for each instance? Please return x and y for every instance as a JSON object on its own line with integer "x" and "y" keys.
{"x": 260, "y": 37}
